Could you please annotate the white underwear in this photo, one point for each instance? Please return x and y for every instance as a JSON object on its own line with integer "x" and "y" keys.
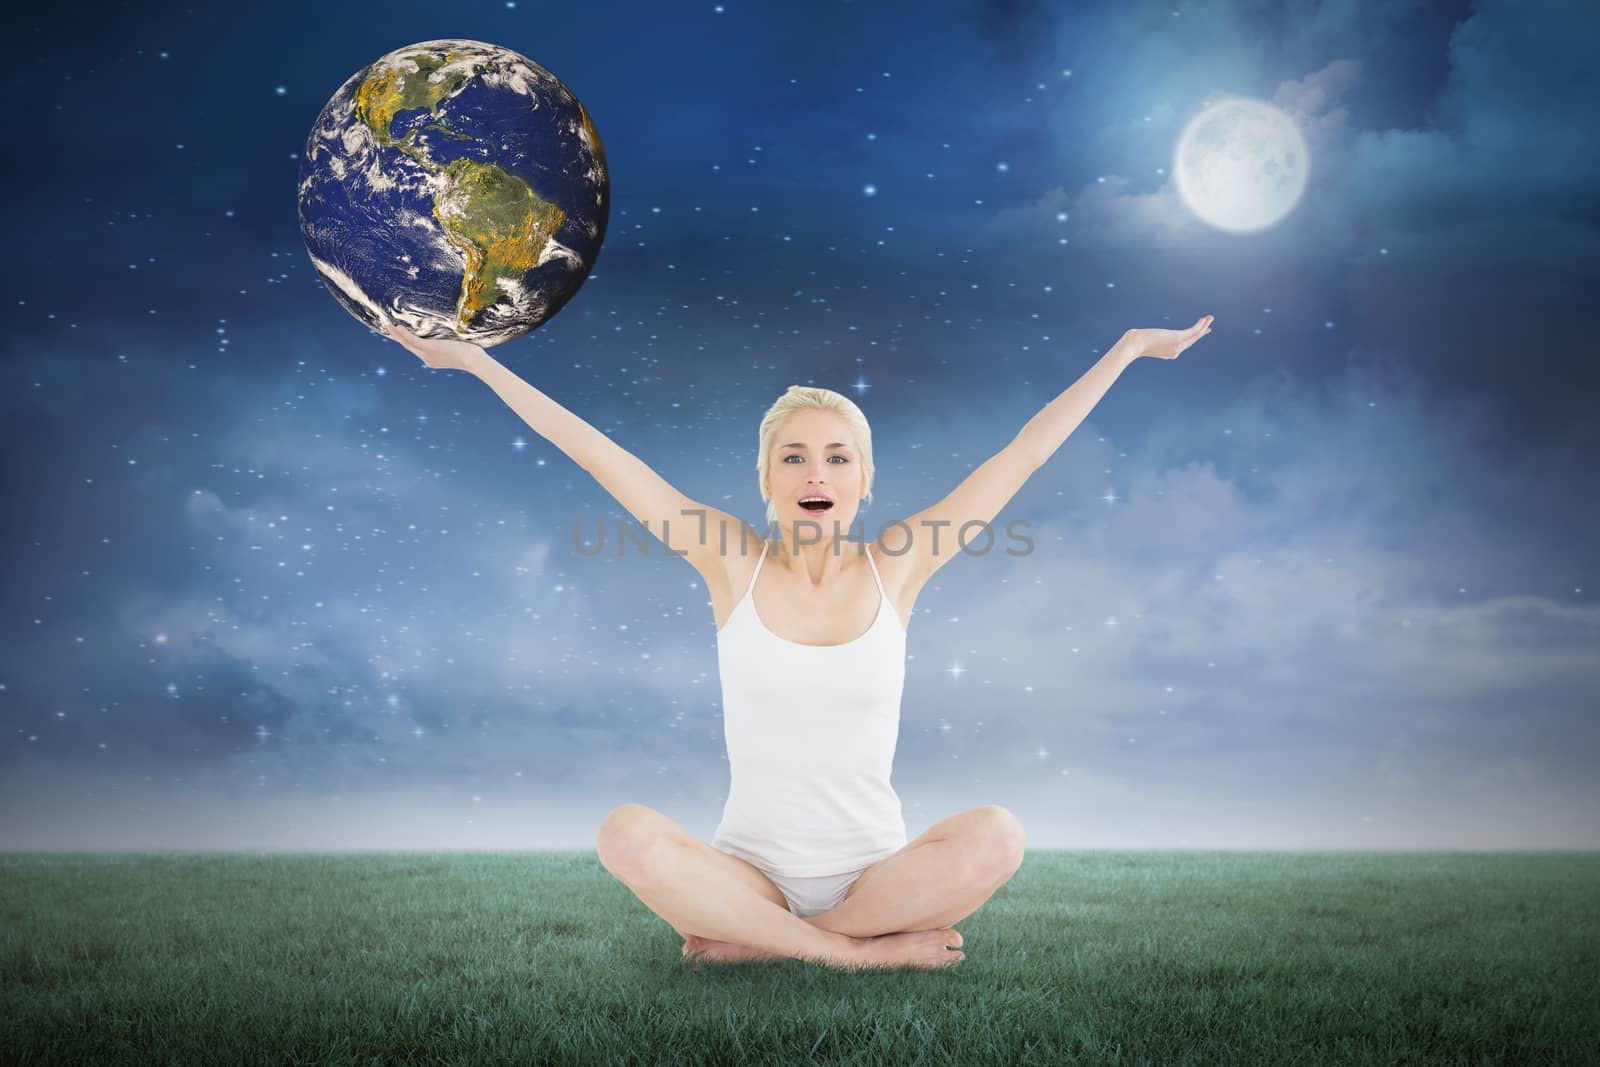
{"x": 813, "y": 896}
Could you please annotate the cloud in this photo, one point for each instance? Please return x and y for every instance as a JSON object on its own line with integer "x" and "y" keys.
{"x": 1312, "y": 101}
{"x": 1509, "y": 170}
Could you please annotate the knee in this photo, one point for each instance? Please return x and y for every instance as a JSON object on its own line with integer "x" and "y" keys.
{"x": 1004, "y": 841}
{"x": 621, "y": 839}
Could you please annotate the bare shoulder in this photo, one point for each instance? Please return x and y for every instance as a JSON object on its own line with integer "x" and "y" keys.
{"x": 894, "y": 565}
{"x": 897, "y": 567}
{"x": 723, "y": 548}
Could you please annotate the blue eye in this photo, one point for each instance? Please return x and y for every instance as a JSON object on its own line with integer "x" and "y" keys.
{"x": 796, "y": 455}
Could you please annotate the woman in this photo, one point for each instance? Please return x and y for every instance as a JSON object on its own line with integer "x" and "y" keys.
{"x": 810, "y": 860}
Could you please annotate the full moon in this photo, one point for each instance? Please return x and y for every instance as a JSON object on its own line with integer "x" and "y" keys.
{"x": 1241, "y": 165}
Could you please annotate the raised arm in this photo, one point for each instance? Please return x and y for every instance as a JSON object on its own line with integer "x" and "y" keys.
{"x": 936, "y": 531}
{"x": 686, "y": 528}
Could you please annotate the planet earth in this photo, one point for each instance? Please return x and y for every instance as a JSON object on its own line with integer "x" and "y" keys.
{"x": 457, "y": 188}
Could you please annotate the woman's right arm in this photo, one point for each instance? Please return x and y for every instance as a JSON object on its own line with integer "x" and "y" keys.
{"x": 587, "y": 446}
{"x": 696, "y": 532}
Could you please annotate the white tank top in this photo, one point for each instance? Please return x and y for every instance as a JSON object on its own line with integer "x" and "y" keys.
{"x": 811, "y": 733}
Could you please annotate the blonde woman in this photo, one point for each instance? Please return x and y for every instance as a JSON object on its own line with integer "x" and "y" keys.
{"x": 811, "y": 859}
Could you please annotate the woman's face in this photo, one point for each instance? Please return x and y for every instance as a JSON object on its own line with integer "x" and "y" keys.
{"x": 814, "y": 454}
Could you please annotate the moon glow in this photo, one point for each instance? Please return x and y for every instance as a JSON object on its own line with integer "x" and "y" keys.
{"x": 1241, "y": 165}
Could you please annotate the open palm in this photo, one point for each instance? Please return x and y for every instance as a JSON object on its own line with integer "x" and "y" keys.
{"x": 1167, "y": 344}
{"x": 440, "y": 353}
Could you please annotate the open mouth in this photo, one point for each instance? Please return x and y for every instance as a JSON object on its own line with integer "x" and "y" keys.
{"x": 816, "y": 505}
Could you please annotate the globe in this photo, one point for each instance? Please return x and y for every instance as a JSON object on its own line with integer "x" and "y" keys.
{"x": 457, "y": 188}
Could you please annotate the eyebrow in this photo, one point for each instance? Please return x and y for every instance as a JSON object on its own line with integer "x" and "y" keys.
{"x": 830, "y": 444}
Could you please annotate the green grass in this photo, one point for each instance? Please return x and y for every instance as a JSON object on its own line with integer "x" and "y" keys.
{"x": 535, "y": 958}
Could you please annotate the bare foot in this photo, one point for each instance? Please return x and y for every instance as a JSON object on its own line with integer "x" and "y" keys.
{"x": 701, "y": 948}
{"x": 923, "y": 949}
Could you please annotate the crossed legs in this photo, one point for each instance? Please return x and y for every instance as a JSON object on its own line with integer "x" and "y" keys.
{"x": 944, "y": 875}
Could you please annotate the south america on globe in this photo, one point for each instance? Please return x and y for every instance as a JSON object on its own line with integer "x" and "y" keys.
{"x": 457, "y": 188}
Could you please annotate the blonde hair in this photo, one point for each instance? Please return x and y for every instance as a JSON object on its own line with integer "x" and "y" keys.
{"x": 807, "y": 398}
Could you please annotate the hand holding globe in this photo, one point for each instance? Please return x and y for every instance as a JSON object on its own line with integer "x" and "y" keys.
{"x": 440, "y": 353}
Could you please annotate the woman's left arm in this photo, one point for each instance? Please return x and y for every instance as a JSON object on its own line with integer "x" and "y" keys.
{"x": 1045, "y": 432}
{"x": 981, "y": 495}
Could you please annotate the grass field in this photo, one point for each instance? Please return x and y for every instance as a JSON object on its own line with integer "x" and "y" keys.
{"x": 531, "y": 958}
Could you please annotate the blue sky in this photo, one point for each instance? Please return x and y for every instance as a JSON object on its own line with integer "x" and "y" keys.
{"x": 1326, "y": 581}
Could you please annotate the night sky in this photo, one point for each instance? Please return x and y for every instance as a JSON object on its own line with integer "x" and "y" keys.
{"x": 1328, "y": 580}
